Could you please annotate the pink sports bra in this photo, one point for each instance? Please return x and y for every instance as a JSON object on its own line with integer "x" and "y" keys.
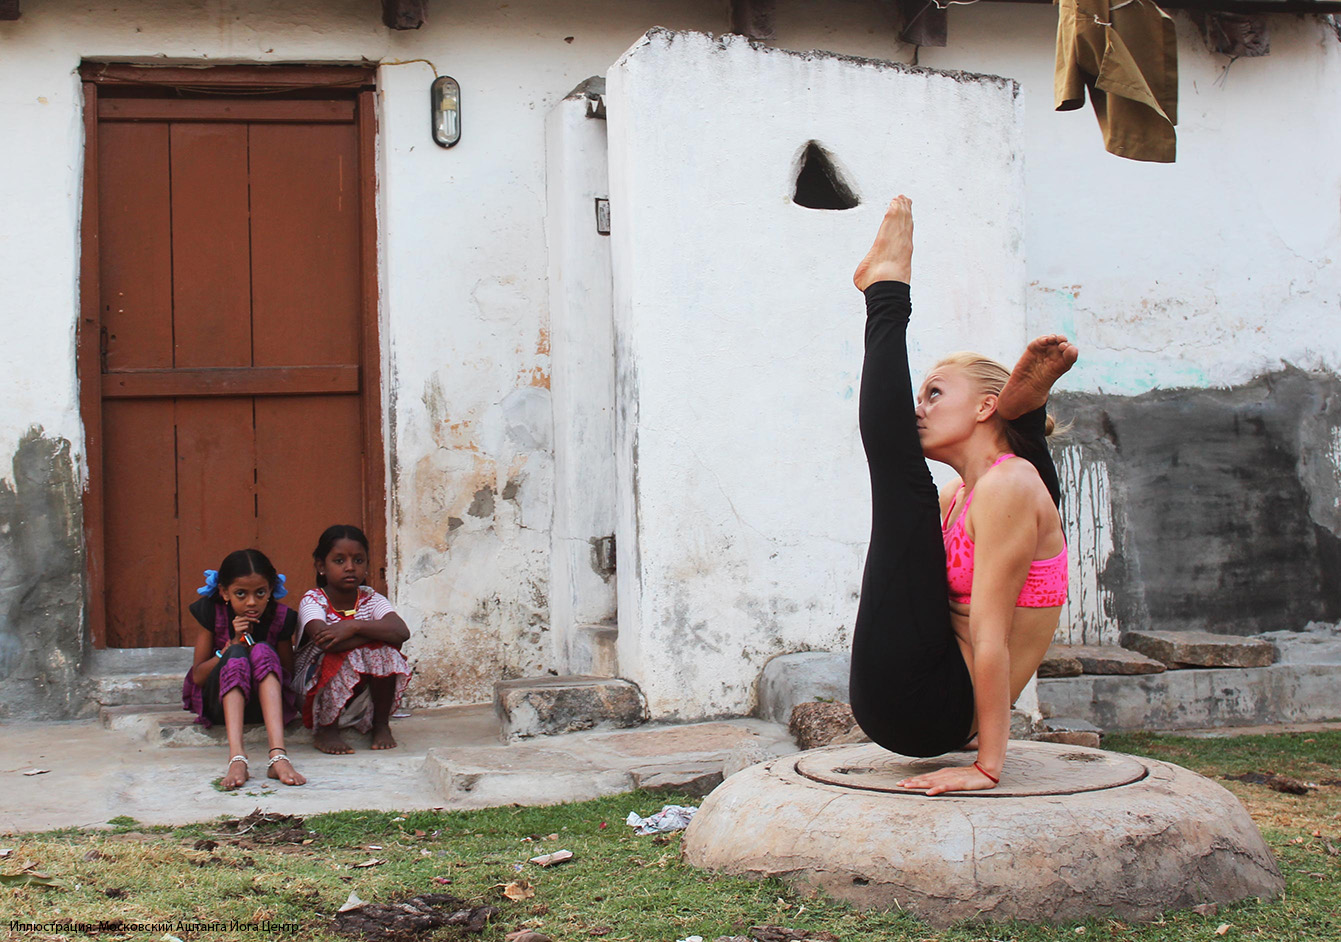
{"x": 1044, "y": 587}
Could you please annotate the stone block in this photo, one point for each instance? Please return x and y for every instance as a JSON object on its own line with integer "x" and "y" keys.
{"x": 1200, "y": 648}
{"x": 695, "y": 780}
{"x": 1106, "y": 659}
{"x": 1058, "y": 662}
{"x": 1070, "y": 738}
{"x": 546, "y": 706}
{"x": 819, "y": 723}
{"x": 789, "y": 679}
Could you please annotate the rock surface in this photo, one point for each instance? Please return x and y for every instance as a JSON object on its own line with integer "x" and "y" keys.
{"x": 789, "y": 679}
{"x": 1200, "y": 649}
{"x": 1107, "y": 659}
{"x": 546, "y": 706}
{"x": 1058, "y": 662}
{"x": 818, "y": 723}
{"x": 1145, "y": 837}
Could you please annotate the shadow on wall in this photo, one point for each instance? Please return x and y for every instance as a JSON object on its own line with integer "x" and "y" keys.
{"x": 1226, "y": 503}
{"x": 41, "y": 582}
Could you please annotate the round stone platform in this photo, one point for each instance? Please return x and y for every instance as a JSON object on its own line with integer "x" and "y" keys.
{"x": 1070, "y": 833}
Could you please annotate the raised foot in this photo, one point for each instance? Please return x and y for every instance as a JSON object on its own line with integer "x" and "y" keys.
{"x": 236, "y": 776}
{"x": 891, "y": 255}
{"x": 1044, "y": 361}
{"x": 282, "y": 769}
{"x": 382, "y": 738}
{"x": 329, "y": 741}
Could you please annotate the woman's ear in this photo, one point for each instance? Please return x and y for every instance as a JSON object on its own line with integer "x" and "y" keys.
{"x": 987, "y": 408}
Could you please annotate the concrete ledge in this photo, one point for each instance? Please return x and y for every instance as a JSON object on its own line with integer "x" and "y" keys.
{"x": 791, "y": 679}
{"x": 1197, "y": 699}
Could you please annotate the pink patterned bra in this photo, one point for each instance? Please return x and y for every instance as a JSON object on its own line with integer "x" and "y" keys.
{"x": 1044, "y": 587}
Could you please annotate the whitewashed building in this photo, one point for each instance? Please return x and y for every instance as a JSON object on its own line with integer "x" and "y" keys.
{"x": 588, "y": 376}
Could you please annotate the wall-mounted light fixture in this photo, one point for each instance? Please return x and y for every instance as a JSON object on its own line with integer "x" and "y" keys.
{"x": 445, "y": 100}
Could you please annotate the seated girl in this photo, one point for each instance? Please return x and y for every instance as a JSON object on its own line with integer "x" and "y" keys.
{"x": 350, "y": 671}
{"x": 243, "y": 658}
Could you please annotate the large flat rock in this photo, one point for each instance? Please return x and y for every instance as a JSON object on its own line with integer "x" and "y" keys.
{"x": 1106, "y": 659}
{"x": 1070, "y": 833}
{"x": 1200, "y": 648}
{"x": 548, "y": 706}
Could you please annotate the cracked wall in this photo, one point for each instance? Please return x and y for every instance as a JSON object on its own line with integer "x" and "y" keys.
{"x": 744, "y": 501}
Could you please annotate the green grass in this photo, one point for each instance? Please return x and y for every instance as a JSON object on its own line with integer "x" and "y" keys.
{"x": 620, "y": 886}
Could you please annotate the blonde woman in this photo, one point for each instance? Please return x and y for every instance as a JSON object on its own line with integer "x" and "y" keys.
{"x": 962, "y": 590}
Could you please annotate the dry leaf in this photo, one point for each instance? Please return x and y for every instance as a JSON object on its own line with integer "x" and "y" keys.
{"x": 419, "y": 833}
{"x": 37, "y": 772}
{"x": 549, "y": 860}
{"x": 442, "y": 880}
{"x": 1222, "y": 928}
{"x": 552, "y": 837}
{"x": 518, "y": 890}
{"x": 370, "y": 862}
{"x": 351, "y": 904}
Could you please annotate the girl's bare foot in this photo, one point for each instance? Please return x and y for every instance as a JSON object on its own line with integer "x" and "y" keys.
{"x": 382, "y": 738}
{"x": 236, "y": 775}
{"x": 891, "y": 256}
{"x": 1043, "y": 363}
{"x": 329, "y": 741}
{"x": 282, "y": 769}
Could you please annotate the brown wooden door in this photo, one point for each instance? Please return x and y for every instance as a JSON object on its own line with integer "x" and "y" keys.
{"x": 236, "y": 408}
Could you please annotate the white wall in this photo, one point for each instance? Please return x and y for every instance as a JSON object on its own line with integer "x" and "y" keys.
{"x": 744, "y": 499}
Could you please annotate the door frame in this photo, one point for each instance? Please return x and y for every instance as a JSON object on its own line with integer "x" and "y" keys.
{"x": 255, "y": 81}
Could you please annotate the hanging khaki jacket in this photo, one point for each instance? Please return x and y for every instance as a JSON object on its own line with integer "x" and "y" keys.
{"x": 1126, "y": 54}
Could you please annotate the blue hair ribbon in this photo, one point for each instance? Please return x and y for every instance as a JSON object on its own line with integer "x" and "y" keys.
{"x": 281, "y": 590}
{"x": 211, "y": 582}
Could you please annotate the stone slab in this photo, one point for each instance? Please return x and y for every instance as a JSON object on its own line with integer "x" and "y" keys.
{"x": 547, "y": 706}
{"x": 1168, "y": 840}
{"x": 791, "y": 679}
{"x": 1179, "y": 649}
{"x": 1215, "y": 697}
{"x": 1317, "y": 644}
{"x": 820, "y": 723}
{"x": 1027, "y": 771}
{"x": 1058, "y": 662}
{"x": 1108, "y": 659}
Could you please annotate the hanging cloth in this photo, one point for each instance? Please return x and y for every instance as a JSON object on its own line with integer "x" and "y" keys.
{"x": 1126, "y": 54}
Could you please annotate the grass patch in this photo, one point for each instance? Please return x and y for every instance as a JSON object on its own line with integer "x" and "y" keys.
{"x": 620, "y": 887}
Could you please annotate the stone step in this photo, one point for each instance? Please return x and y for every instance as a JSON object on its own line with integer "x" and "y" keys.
{"x": 137, "y": 676}
{"x": 1198, "y": 699}
{"x": 1180, "y": 649}
{"x": 173, "y": 727}
{"x": 595, "y": 651}
{"x": 547, "y": 706}
{"x": 1070, "y": 660}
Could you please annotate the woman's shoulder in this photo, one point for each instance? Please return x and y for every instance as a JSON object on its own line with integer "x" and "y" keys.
{"x": 1011, "y": 483}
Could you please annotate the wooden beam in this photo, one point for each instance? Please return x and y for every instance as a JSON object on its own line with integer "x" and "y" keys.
{"x": 404, "y": 14}
{"x": 754, "y": 19}
{"x": 261, "y": 110}
{"x": 9, "y": 9}
{"x": 924, "y": 22}
{"x": 238, "y": 381}
{"x": 250, "y": 77}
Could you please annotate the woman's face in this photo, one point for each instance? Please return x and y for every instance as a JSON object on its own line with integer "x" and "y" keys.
{"x": 948, "y": 408}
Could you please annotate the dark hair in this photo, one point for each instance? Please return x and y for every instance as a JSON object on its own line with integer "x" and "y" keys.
{"x": 247, "y": 562}
{"x": 341, "y": 531}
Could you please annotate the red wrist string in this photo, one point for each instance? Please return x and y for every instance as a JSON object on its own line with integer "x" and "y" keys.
{"x": 995, "y": 780}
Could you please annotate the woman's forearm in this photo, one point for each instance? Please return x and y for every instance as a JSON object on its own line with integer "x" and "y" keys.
{"x": 991, "y": 695}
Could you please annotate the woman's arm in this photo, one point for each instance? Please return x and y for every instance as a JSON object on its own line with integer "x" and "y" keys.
{"x": 1005, "y": 525}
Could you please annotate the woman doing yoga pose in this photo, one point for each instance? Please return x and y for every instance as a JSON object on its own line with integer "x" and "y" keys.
{"x": 940, "y": 652}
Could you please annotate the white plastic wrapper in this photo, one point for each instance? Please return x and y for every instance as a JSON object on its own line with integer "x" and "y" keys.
{"x": 669, "y": 818}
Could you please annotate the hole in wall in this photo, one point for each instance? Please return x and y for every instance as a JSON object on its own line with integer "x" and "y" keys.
{"x": 819, "y": 182}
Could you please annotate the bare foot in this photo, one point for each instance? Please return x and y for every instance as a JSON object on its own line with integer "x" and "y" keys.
{"x": 1042, "y": 364}
{"x": 282, "y": 769}
{"x": 329, "y": 741}
{"x": 236, "y": 775}
{"x": 382, "y": 738}
{"x": 891, "y": 255}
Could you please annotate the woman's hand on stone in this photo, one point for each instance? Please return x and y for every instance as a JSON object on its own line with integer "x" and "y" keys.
{"x": 949, "y": 780}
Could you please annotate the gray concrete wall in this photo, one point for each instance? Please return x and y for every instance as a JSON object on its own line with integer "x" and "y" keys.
{"x": 41, "y": 581}
{"x": 1224, "y": 504}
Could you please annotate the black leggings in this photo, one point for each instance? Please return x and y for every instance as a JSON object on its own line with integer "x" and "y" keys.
{"x": 910, "y": 689}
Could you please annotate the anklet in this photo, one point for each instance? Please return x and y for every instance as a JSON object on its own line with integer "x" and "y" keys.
{"x": 995, "y": 780}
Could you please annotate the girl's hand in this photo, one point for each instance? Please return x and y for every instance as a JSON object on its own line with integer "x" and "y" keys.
{"x": 334, "y": 634}
{"x": 241, "y": 625}
{"x": 949, "y": 780}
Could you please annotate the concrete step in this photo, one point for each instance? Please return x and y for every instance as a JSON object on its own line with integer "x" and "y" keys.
{"x": 173, "y": 727}
{"x": 548, "y": 706}
{"x": 1198, "y": 699}
{"x": 128, "y": 676}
